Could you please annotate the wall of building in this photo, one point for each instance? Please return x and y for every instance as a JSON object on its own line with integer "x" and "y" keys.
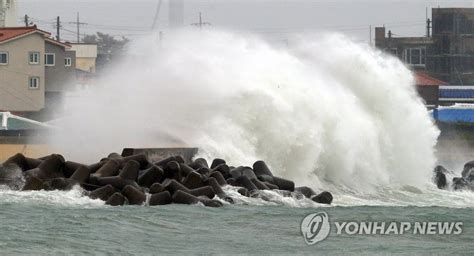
{"x": 430, "y": 94}
{"x": 86, "y": 64}
{"x": 29, "y": 150}
{"x": 86, "y": 56}
{"x": 60, "y": 78}
{"x": 15, "y": 94}
{"x": 453, "y": 34}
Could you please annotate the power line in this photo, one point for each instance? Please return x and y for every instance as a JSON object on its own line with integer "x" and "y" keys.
{"x": 78, "y": 24}
{"x": 200, "y": 23}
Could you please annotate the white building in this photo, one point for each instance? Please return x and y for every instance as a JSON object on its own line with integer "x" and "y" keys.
{"x": 8, "y": 14}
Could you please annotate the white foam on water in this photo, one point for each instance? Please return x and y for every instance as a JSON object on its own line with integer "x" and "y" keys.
{"x": 328, "y": 113}
{"x": 268, "y": 197}
{"x": 73, "y": 197}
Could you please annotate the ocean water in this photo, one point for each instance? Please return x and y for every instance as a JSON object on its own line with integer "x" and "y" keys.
{"x": 66, "y": 223}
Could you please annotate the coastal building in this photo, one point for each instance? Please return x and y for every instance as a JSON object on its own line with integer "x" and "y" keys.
{"x": 86, "y": 63}
{"x": 35, "y": 70}
{"x": 22, "y": 74}
{"x": 86, "y": 56}
{"x": 446, "y": 54}
{"x": 60, "y": 72}
{"x": 428, "y": 88}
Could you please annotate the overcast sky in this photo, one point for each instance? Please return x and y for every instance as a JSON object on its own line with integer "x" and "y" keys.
{"x": 274, "y": 19}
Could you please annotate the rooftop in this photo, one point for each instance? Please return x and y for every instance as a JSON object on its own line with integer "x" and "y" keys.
{"x": 10, "y": 33}
{"x": 9, "y": 121}
{"x": 423, "y": 79}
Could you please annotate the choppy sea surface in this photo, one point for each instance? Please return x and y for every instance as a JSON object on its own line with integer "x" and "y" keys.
{"x": 66, "y": 223}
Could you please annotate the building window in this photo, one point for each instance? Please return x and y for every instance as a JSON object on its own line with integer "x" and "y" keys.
{"x": 3, "y": 58}
{"x": 34, "y": 58}
{"x": 33, "y": 82}
{"x": 49, "y": 59}
{"x": 67, "y": 62}
{"x": 394, "y": 51}
{"x": 415, "y": 56}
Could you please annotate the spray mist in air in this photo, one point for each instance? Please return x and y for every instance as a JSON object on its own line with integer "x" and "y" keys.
{"x": 326, "y": 111}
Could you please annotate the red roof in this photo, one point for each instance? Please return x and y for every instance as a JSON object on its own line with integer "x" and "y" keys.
{"x": 65, "y": 45}
{"x": 10, "y": 33}
{"x": 423, "y": 79}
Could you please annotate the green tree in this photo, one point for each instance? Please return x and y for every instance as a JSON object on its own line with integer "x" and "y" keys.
{"x": 107, "y": 46}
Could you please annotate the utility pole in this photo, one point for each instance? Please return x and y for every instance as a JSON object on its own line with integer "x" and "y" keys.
{"x": 157, "y": 14}
{"x": 27, "y": 23}
{"x": 78, "y": 24}
{"x": 370, "y": 35}
{"x": 201, "y": 23}
{"x": 58, "y": 28}
{"x": 161, "y": 39}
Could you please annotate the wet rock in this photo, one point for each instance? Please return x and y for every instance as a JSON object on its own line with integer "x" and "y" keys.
{"x": 116, "y": 199}
{"x": 270, "y": 185}
{"x": 219, "y": 178}
{"x": 181, "y": 197}
{"x": 103, "y": 193}
{"x": 156, "y": 188}
{"x": 152, "y": 175}
{"x": 261, "y": 168}
{"x": 81, "y": 175}
{"x": 18, "y": 160}
{"x": 110, "y": 168}
{"x": 140, "y": 158}
{"x": 223, "y": 169}
{"x": 199, "y": 163}
{"x": 207, "y": 191}
{"x": 440, "y": 177}
{"x": 216, "y": 162}
{"x": 71, "y": 167}
{"x": 284, "y": 184}
{"x": 161, "y": 198}
{"x": 260, "y": 185}
{"x": 460, "y": 183}
{"x": 211, "y": 202}
{"x": 323, "y": 198}
{"x": 130, "y": 170}
{"x": 266, "y": 178}
{"x": 50, "y": 168}
{"x": 204, "y": 171}
{"x": 32, "y": 163}
{"x": 467, "y": 167}
{"x": 469, "y": 175}
{"x": 134, "y": 196}
{"x": 244, "y": 192}
{"x": 193, "y": 180}
{"x": 11, "y": 175}
{"x": 243, "y": 171}
{"x": 232, "y": 182}
{"x": 59, "y": 184}
{"x": 185, "y": 169}
{"x": 172, "y": 170}
{"x": 162, "y": 163}
{"x": 95, "y": 167}
{"x": 117, "y": 182}
{"x": 306, "y": 191}
{"x": 245, "y": 182}
{"x": 32, "y": 183}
